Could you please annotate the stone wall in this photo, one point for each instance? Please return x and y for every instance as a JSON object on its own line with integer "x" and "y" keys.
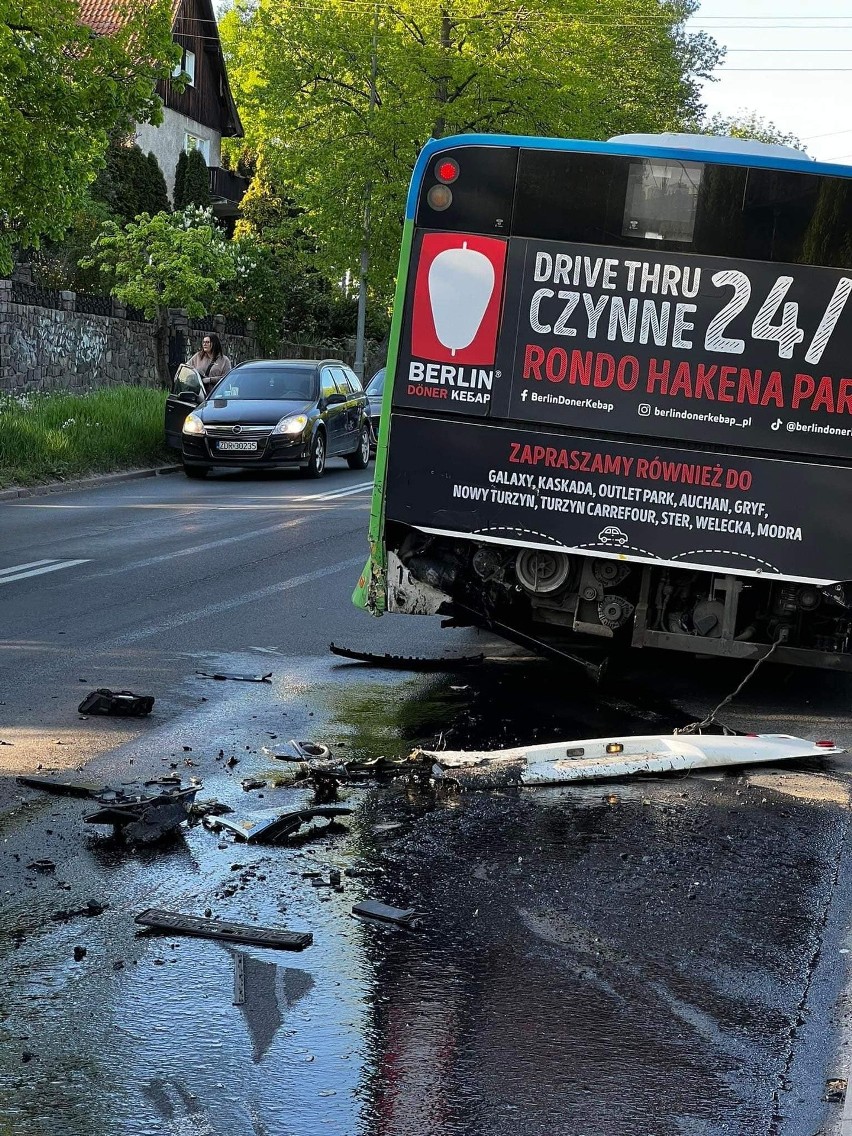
{"x": 47, "y": 343}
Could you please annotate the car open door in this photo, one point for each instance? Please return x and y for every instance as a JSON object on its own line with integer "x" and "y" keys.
{"x": 187, "y": 392}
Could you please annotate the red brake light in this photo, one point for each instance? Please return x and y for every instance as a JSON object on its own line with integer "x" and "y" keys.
{"x": 826, "y": 745}
{"x": 447, "y": 170}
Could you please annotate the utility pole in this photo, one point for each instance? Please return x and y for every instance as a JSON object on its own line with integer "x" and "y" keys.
{"x": 365, "y": 223}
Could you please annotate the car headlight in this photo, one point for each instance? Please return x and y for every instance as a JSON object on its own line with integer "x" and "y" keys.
{"x": 292, "y": 424}
{"x": 193, "y": 425}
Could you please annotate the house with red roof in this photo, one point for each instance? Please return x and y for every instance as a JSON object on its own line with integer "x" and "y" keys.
{"x": 197, "y": 114}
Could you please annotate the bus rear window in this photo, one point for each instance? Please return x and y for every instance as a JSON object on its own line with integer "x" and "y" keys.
{"x": 661, "y": 200}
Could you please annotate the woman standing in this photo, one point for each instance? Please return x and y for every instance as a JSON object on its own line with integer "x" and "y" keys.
{"x": 210, "y": 362}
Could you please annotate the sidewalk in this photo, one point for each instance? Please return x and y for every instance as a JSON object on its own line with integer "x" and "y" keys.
{"x": 85, "y": 482}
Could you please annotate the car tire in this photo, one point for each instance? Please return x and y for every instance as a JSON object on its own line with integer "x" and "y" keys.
{"x": 197, "y": 472}
{"x": 361, "y": 458}
{"x": 316, "y": 462}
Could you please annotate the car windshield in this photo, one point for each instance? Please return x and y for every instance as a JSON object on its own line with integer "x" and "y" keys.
{"x": 296, "y": 384}
{"x": 377, "y": 384}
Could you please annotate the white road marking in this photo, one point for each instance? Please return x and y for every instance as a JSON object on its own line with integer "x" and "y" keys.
{"x": 333, "y": 494}
{"x": 24, "y": 567}
{"x": 229, "y": 605}
{"x": 196, "y": 548}
{"x": 49, "y": 566}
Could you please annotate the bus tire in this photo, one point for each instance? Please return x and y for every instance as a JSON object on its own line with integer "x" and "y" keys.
{"x": 361, "y": 458}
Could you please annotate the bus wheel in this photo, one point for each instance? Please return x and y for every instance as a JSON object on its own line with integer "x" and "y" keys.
{"x": 316, "y": 462}
{"x": 361, "y": 458}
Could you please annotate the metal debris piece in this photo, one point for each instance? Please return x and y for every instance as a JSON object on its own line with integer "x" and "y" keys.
{"x": 298, "y": 751}
{"x": 61, "y": 788}
{"x": 177, "y": 923}
{"x": 595, "y": 759}
{"x": 273, "y": 827}
{"x": 373, "y": 909}
{"x": 237, "y": 677}
{"x": 42, "y": 865}
{"x": 119, "y": 703}
{"x": 249, "y": 783}
{"x": 146, "y": 813}
{"x": 407, "y": 662}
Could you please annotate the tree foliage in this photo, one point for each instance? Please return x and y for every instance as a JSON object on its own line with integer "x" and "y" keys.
{"x": 180, "y": 179}
{"x": 195, "y": 183}
{"x": 63, "y": 90}
{"x": 170, "y": 260}
{"x": 333, "y": 126}
{"x": 750, "y": 126}
{"x": 130, "y": 183}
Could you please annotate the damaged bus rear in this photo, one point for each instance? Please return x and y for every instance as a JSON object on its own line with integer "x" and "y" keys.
{"x": 618, "y": 406}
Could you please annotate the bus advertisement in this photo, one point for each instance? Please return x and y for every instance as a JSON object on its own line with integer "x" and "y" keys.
{"x": 618, "y": 405}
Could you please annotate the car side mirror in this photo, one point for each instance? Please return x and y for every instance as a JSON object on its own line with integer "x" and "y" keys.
{"x": 335, "y": 399}
{"x": 190, "y": 397}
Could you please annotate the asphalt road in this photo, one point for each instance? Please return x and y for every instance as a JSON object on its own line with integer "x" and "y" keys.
{"x": 657, "y": 958}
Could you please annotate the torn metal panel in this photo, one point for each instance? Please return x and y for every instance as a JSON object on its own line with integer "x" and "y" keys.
{"x": 273, "y": 827}
{"x": 176, "y": 923}
{"x": 147, "y": 813}
{"x": 594, "y": 759}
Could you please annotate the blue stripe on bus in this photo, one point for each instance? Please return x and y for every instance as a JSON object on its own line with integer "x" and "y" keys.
{"x": 581, "y": 146}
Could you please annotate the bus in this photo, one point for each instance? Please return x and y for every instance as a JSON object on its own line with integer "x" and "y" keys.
{"x": 618, "y": 404}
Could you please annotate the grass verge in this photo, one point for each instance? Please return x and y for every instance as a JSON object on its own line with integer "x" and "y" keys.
{"x": 58, "y": 436}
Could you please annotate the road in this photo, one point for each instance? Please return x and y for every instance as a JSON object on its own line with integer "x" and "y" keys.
{"x": 652, "y": 958}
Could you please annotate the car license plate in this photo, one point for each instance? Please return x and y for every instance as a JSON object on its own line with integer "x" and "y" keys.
{"x": 237, "y": 446}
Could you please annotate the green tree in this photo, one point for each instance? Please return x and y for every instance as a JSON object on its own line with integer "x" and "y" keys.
{"x": 178, "y": 198}
{"x": 170, "y": 260}
{"x": 156, "y": 194}
{"x": 128, "y": 184}
{"x": 196, "y": 182}
{"x": 63, "y": 90}
{"x": 338, "y": 100}
{"x": 750, "y": 126}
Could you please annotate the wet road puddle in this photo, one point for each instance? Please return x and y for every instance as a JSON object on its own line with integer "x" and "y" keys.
{"x": 632, "y": 958}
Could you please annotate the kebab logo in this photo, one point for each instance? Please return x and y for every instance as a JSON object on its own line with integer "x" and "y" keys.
{"x": 458, "y": 292}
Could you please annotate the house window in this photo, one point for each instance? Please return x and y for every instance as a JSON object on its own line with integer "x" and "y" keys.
{"x": 193, "y": 142}
{"x": 186, "y": 67}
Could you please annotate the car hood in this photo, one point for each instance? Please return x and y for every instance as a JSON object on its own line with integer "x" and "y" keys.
{"x": 250, "y": 411}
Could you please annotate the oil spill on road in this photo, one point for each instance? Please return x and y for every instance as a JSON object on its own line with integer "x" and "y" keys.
{"x": 630, "y": 958}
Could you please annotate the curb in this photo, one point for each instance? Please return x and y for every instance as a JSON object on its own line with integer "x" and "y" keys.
{"x": 85, "y": 482}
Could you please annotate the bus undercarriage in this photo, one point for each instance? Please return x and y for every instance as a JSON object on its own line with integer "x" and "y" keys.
{"x": 562, "y": 603}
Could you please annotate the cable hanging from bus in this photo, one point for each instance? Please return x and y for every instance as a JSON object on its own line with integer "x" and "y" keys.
{"x": 618, "y": 405}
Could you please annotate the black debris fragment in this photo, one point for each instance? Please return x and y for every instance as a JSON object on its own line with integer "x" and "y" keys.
{"x": 119, "y": 703}
{"x": 145, "y": 813}
{"x": 373, "y": 909}
{"x": 249, "y": 783}
{"x": 91, "y": 909}
{"x": 407, "y": 662}
{"x": 79, "y": 954}
{"x": 274, "y": 828}
{"x": 42, "y": 865}
{"x": 237, "y": 677}
{"x": 174, "y": 922}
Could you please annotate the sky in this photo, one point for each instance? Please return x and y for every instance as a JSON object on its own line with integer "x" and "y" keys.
{"x": 790, "y": 62}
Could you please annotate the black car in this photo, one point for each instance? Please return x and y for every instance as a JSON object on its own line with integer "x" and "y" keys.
{"x": 374, "y": 390}
{"x": 270, "y": 413}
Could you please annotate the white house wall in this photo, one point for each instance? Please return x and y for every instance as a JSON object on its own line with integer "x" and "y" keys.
{"x": 167, "y": 140}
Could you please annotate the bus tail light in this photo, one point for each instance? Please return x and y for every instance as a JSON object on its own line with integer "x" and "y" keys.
{"x": 440, "y": 197}
{"x": 447, "y": 170}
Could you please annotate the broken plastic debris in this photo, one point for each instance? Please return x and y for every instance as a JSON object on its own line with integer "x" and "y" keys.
{"x": 237, "y": 677}
{"x": 594, "y": 759}
{"x": 373, "y": 909}
{"x": 119, "y": 703}
{"x": 174, "y": 922}
{"x": 273, "y": 827}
